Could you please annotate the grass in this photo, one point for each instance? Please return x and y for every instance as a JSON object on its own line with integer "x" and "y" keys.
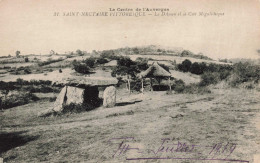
{"x": 199, "y": 119}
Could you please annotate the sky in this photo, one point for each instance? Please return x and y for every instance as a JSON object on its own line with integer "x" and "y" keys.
{"x": 31, "y": 27}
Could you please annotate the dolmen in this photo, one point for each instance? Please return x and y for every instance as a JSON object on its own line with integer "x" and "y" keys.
{"x": 81, "y": 90}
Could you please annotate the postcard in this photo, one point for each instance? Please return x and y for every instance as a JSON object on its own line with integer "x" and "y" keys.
{"x": 130, "y": 81}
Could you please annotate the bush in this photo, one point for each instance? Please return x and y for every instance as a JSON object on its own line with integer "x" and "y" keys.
{"x": 21, "y": 81}
{"x": 245, "y": 72}
{"x": 52, "y": 99}
{"x": 90, "y": 62}
{"x": 81, "y": 67}
{"x": 198, "y": 68}
{"x": 209, "y": 78}
{"x": 27, "y": 70}
{"x": 179, "y": 86}
{"x": 125, "y": 66}
{"x": 26, "y": 59}
{"x": 17, "y": 100}
{"x": 224, "y": 74}
{"x": 102, "y": 61}
{"x": 185, "y": 65}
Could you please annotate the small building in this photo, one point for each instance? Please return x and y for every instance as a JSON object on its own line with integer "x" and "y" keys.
{"x": 157, "y": 72}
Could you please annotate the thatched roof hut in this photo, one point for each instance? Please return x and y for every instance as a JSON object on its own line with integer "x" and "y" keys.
{"x": 154, "y": 71}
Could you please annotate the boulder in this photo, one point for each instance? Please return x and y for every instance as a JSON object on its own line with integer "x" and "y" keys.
{"x": 58, "y": 105}
{"x": 74, "y": 95}
{"x": 109, "y": 97}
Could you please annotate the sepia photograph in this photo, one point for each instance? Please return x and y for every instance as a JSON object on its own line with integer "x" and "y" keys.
{"x": 130, "y": 81}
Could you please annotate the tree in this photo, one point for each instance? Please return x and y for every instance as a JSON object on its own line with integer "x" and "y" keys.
{"x": 125, "y": 67}
{"x": 80, "y": 67}
{"x": 26, "y": 59}
{"x": 185, "y": 65}
{"x": 90, "y": 62}
{"x": 79, "y": 52}
{"x": 17, "y": 53}
{"x": 196, "y": 68}
{"x": 136, "y": 51}
{"x": 185, "y": 53}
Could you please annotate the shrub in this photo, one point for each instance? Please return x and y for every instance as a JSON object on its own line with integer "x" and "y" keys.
{"x": 245, "y": 72}
{"x": 90, "y": 62}
{"x": 102, "y": 61}
{"x": 185, "y": 65}
{"x": 224, "y": 74}
{"x": 52, "y": 99}
{"x": 26, "y": 59}
{"x": 17, "y": 100}
{"x": 208, "y": 78}
{"x": 27, "y": 70}
{"x": 198, "y": 68}
{"x": 179, "y": 86}
{"x": 81, "y": 67}
{"x": 21, "y": 81}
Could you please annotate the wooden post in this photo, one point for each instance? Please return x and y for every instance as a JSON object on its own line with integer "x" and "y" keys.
{"x": 169, "y": 80}
{"x": 151, "y": 82}
{"x": 129, "y": 84}
{"x": 142, "y": 85}
{"x": 126, "y": 84}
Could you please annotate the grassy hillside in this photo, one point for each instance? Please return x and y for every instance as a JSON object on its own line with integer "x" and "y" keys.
{"x": 204, "y": 120}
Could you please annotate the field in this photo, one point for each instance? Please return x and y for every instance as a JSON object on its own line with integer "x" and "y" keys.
{"x": 227, "y": 116}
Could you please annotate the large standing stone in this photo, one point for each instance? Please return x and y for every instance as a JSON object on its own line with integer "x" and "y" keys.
{"x": 74, "y": 95}
{"x": 109, "y": 97}
{"x": 58, "y": 105}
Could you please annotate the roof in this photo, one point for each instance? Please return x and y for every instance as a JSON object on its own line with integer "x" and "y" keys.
{"x": 154, "y": 70}
{"x": 87, "y": 81}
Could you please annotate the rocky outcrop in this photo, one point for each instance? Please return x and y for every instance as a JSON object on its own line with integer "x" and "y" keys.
{"x": 109, "y": 97}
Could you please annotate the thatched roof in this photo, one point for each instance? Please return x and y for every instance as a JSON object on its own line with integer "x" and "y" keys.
{"x": 154, "y": 70}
